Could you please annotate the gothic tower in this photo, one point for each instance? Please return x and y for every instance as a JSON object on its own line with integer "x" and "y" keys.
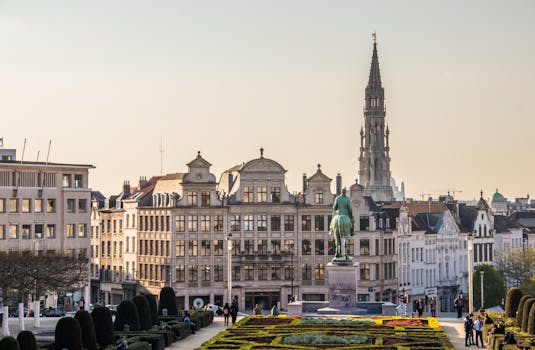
{"x": 374, "y": 173}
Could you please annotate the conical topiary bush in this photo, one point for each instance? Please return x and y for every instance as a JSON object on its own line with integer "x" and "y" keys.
{"x": 153, "y": 306}
{"x": 525, "y": 313}
{"x": 143, "y": 312}
{"x": 89, "y": 339}
{"x": 9, "y": 343}
{"x": 520, "y": 310}
{"x": 26, "y": 341}
{"x": 511, "y": 301}
{"x": 68, "y": 334}
{"x": 103, "y": 326}
{"x": 127, "y": 315}
{"x": 167, "y": 301}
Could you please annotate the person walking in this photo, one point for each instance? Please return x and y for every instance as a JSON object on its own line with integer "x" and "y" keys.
{"x": 467, "y": 331}
{"x": 226, "y": 313}
{"x": 459, "y": 305}
{"x": 234, "y": 310}
{"x": 420, "y": 307}
{"x": 478, "y": 327}
{"x": 433, "y": 307}
{"x": 257, "y": 310}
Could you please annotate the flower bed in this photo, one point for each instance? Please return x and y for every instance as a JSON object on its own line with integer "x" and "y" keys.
{"x": 393, "y": 333}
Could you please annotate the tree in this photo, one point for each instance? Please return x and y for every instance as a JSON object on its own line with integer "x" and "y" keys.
{"x": 518, "y": 266}
{"x": 493, "y": 286}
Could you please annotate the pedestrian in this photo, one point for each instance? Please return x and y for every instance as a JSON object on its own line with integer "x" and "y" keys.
{"x": 257, "y": 310}
{"x": 459, "y": 305}
{"x": 433, "y": 307}
{"x": 234, "y": 311}
{"x": 187, "y": 319}
{"x": 275, "y": 310}
{"x": 420, "y": 307}
{"x": 226, "y": 313}
{"x": 467, "y": 330}
{"x": 478, "y": 327}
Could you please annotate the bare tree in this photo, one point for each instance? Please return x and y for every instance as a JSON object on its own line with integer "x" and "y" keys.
{"x": 518, "y": 267}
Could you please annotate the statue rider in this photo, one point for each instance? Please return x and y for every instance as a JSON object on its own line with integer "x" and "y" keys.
{"x": 342, "y": 225}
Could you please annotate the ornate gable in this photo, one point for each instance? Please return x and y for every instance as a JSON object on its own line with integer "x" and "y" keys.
{"x": 319, "y": 176}
{"x": 198, "y": 162}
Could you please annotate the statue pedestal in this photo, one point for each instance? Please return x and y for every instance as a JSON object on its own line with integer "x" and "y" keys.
{"x": 342, "y": 280}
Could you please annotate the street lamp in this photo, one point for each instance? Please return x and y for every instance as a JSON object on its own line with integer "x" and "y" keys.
{"x": 229, "y": 266}
{"x": 470, "y": 245}
{"x": 482, "y": 294}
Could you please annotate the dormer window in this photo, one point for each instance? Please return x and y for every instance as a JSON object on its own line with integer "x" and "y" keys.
{"x": 192, "y": 198}
{"x": 205, "y": 198}
{"x": 248, "y": 194}
{"x": 275, "y": 194}
{"x": 318, "y": 197}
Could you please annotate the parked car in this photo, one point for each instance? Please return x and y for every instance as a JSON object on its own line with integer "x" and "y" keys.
{"x": 14, "y": 312}
{"x": 216, "y": 309}
{"x": 53, "y": 312}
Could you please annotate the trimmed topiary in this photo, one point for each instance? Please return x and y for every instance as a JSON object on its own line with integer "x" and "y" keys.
{"x": 167, "y": 301}
{"x": 520, "y": 310}
{"x": 153, "y": 306}
{"x": 525, "y": 313}
{"x": 89, "y": 339}
{"x": 511, "y": 301}
{"x": 103, "y": 326}
{"x": 143, "y": 312}
{"x": 26, "y": 341}
{"x": 127, "y": 315}
{"x": 9, "y": 343}
{"x": 68, "y": 334}
{"x": 531, "y": 320}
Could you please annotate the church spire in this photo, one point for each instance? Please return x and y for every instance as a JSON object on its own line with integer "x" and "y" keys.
{"x": 374, "y": 90}
{"x": 374, "y": 80}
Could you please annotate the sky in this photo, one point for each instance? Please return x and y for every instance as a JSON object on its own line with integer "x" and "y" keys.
{"x": 111, "y": 82}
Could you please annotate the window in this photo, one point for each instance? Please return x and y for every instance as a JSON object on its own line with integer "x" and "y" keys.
{"x": 236, "y": 273}
{"x": 193, "y": 273}
{"x": 37, "y": 206}
{"x": 180, "y": 248}
{"x": 364, "y": 272}
{"x": 2, "y": 205}
{"x": 288, "y": 273}
{"x": 262, "y": 194}
{"x": 275, "y": 223}
{"x": 192, "y": 198}
{"x": 25, "y": 205}
{"x": 205, "y": 223}
{"x": 306, "y": 270}
{"x": 192, "y": 223}
{"x": 192, "y": 248}
{"x": 218, "y": 223}
{"x": 26, "y": 234}
{"x": 364, "y": 223}
{"x": 78, "y": 181}
{"x": 205, "y": 248}
{"x": 275, "y": 194}
{"x": 275, "y": 246}
{"x": 248, "y": 223}
{"x": 306, "y": 223}
{"x": 319, "y": 247}
{"x": 218, "y": 273}
{"x": 50, "y": 205}
{"x": 218, "y": 247}
{"x": 262, "y": 247}
{"x": 248, "y": 271}
{"x": 275, "y": 273}
{"x": 2, "y": 232}
{"x": 262, "y": 222}
{"x": 364, "y": 246}
{"x": 50, "y": 231}
{"x": 306, "y": 248}
{"x": 180, "y": 223}
{"x": 205, "y": 198}
{"x": 13, "y": 231}
{"x": 235, "y": 224}
{"x": 69, "y": 230}
{"x": 13, "y": 205}
{"x": 70, "y": 207}
{"x": 262, "y": 272}
{"x": 289, "y": 246}
{"x": 82, "y": 205}
{"x": 319, "y": 272}
{"x": 248, "y": 194}
{"x": 318, "y": 198}
{"x": 82, "y": 230}
{"x": 180, "y": 274}
{"x": 288, "y": 222}
{"x": 67, "y": 180}
{"x": 330, "y": 247}
{"x": 205, "y": 272}
{"x": 248, "y": 246}
{"x": 319, "y": 223}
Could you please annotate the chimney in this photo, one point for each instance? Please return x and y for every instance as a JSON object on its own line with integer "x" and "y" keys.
{"x": 143, "y": 182}
{"x": 304, "y": 183}
{"x": 230, "y": 181}
{"x": 338, "y": 184}
{"x": 126, "y": 188}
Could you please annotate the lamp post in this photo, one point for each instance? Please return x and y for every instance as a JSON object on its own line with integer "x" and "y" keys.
{"x": 482, "y": 293}
{"x": 229, "y": 267}
{"x": 470, "y": 245}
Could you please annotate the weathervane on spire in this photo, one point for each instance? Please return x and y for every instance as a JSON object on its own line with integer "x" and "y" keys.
{"x": 374, "y": 36}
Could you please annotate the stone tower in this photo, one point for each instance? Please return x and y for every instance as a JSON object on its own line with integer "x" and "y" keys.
{"x": 374, "y": 173}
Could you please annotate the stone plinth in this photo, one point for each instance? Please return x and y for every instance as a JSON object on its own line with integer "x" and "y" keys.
{"x": 342, "y": 279}
{"x": 295, "y": 308}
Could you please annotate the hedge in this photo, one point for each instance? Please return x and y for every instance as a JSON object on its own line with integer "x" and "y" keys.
{"x": 511, "y": 301}
{"x": 520, "y": 310}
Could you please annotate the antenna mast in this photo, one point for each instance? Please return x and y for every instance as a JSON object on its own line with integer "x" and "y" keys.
{"x": 48, "y": 153}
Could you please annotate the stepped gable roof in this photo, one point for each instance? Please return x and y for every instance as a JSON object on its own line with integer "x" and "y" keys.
{"x": 467, "y": 217}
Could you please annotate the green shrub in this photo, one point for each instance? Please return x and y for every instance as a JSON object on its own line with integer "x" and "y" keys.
{"x": 511, "y": 301}
{"x": 153, "y": 306}
{"x": 167, "y": 336}
{"x": 531, "y": 320}
{"x": 167, "y": 301}
{"x": 26, "y": 341}
{"x": 318, "y": 338}
{"x": 181, "y": 329}
{"x": 334, "y": 321}
{"x": 525, "y": 313}
{"x": 127, "y": 315}
{"x": 140, "y": 345}
{"x": 143, "y": 311}
{"x": 156, "y": 340}
{"x": 520, "y": 310}
{"x": 89, "y": 339}
{"x": 68, "y": 334}
{"x": 9, "y": 343}
{"x": 103, "y": 326}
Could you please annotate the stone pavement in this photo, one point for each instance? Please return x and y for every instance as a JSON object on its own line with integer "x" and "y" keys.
{"x": 454, "y": 329}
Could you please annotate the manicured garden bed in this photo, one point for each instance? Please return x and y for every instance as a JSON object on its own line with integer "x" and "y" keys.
{"x": 393, "y": 333}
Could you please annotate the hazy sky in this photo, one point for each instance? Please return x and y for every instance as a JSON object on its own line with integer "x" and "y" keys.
{"x": 106, "y": 80}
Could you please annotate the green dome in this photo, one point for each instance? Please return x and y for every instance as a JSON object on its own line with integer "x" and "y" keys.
{"x": 497, "y": 197}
